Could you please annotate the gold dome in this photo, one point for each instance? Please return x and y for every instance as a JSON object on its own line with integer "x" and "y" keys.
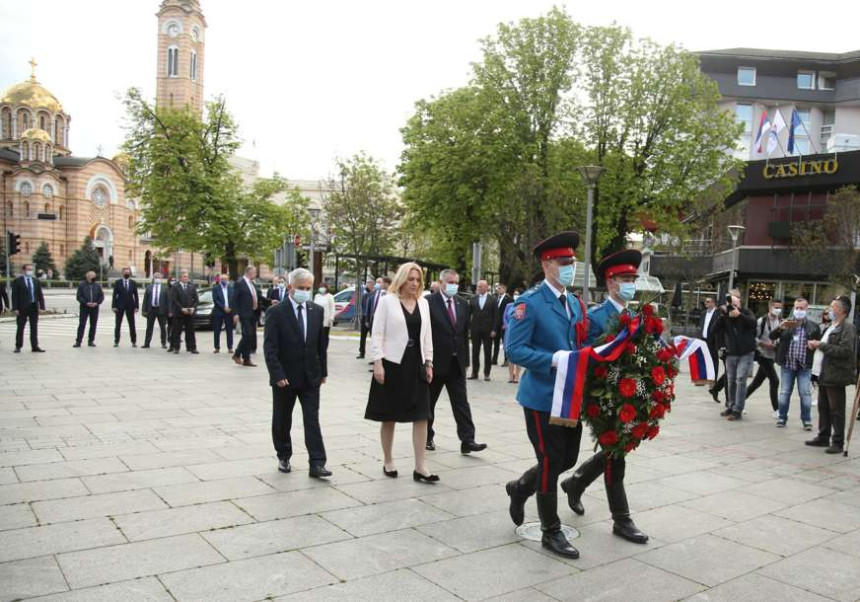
{"x": 37, "y": 134}
{"x": 31, "y": 94}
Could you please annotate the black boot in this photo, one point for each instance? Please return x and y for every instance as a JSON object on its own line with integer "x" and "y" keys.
{"x": 553, "y": 539}
{"x": 623, "y": 526}
{"x": 583, "y": 476}
{"x": 519, "y": 491}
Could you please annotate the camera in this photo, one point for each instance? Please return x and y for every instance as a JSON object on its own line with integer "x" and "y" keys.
{"x": 729, "y": 303}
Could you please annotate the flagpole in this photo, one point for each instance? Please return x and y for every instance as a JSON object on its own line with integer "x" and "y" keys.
{"x": 776, "y": 134}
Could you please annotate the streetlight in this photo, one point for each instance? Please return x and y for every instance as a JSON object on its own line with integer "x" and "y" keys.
{"x": 591, "y": 174}
{"x": 734, "y": 232}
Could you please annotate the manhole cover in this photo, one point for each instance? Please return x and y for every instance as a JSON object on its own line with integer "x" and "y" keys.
{"x": 532, "y": 532}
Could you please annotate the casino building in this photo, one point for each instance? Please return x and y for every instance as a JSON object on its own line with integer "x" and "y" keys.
{"x": 778, "y": 191}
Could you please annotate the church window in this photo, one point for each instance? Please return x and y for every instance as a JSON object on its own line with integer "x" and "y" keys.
{"x": 47, "y": 207}
{"x": 172, "y": 61}
{"x": 60, "y": 213}
{"x": 26, "y": 189}
{"x": 100, "y": 197}
{"x": 193, "y": 65}
{"x": 42, "y": 122}
{"x": 47, "y": 191}
{"x": 26, "y": 248}
{"x": 25, "y": 120}
{"x": 130, "y": 223}
{"x": 26, "y": 209}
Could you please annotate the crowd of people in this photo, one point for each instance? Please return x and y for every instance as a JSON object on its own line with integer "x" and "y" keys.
{"x": 808, "y": 354}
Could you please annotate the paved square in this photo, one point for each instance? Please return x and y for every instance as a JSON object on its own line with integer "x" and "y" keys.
{"x": 131, "y": 474}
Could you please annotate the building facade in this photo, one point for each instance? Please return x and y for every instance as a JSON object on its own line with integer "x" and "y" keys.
{"x": 783, "y": 185}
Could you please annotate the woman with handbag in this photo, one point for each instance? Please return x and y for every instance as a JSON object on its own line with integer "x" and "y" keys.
{"x": 401, "y": 347}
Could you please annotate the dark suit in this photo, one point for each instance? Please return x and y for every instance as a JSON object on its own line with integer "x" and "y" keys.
{"x": 715, "y": 339}
{"x": 220, "y": 318}
{"x": 302, "y": 362}
{"x": 89, "y": 292}
{"x": 364, "y": 298}
{"x": 125, "y": 302}
{"x": 27, "y": 301}
{"x": 247, "y": 311}
{"x": 450, "y": 361}
{"x": 276, "y": 294}
{"x": 483, "y": 323}
{"x": 155, "y": 312}
{"x": 502, "y": 303}
{"x": 184, "y": 297}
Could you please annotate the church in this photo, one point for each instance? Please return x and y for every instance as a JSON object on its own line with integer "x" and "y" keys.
{"x": 49, "y": 195}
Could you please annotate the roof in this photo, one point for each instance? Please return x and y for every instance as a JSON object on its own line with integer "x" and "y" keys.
{"x": 72, "y": 161}
{"x": 800, "y": 55}
{"x": 31, "y": 94}
{"x": 37, "y": 134}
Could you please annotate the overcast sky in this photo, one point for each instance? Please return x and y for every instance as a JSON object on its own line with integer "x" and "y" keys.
{"x": 313, "y": 80}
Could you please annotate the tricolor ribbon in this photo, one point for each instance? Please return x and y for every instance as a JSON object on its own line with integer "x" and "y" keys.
{"x": 701, "y": 363}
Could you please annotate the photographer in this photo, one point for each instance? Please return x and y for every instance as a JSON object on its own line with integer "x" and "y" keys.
{"x": 794, "y": 356}
{"x": 739, "y": 330}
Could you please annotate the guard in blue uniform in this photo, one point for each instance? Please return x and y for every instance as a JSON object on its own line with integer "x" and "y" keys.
{"x": 619, "y": 270}
{"x": 547, "y": 322}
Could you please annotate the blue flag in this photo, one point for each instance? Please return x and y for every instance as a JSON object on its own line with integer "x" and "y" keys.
{"x": 795, "y": 121}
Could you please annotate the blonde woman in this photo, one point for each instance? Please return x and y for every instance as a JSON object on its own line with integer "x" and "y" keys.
{"x": 401, "y": 347}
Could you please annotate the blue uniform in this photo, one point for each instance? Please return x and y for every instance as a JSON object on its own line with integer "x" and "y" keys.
{"x": 539, "y": 327}
{"x": 600, "y": 317}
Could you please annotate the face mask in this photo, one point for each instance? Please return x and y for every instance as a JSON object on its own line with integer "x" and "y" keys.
{"x": 831, "y": 314}
{"x": 157, "y": 281}
{"x": 29, "y": 273}
{"x": 322, "y": 290}
{"x": 776, "y": 311}
{"x": 565, "y": 275}
{"x": 516, "y": 296}
{"x": 452, "y": 289}
{"x": 626, "y": 291}
{"x": 800, "y": 314}
{"x": 377, "y": 286}
{"x": 281, "y": 286}
{"x": 300, "y": 296}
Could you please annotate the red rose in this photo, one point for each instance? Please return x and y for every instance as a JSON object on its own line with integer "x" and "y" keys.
{"x": 658, "y": 375}
{"x": 658, "y": 326}
{"x": 649, "y": 326}
{"x": 671, "y": 371}
{"x": 608, "y": 438}
{"x": 648, "y": 310}
{"x": 653, "y": 432}
{"x": 627, "y": 413}
{"x": 624, "y": 319}
{"x": 657, "y": 412}
{"x": 631, "y": 446}
{"x": 640, "y": 430}
{"x": 664, "y": 355}
{"x": 658, "y": 396}
{"x": 601, "y": 371}
{"x": 592, "y": 410}
{"x": 627, "y": 387}
{"x": 630, "y": 349}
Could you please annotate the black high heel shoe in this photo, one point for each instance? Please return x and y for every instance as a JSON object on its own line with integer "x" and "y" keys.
{"x": 417, "y": 476}
{"x": 389, "y": 473}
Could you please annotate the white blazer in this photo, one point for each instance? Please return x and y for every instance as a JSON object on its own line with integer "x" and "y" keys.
{"x": 327, "y": 303}
{"x": 389, "y": 335}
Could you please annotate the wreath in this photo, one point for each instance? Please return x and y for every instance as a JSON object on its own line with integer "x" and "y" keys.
{"x": 627, "y": 396}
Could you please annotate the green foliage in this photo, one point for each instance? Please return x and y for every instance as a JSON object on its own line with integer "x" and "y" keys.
{"x": 192, "y": 198}
{"x": 42, "y": 259}
{"x": 82, "y": 261}
{"x": 496, "y": 160}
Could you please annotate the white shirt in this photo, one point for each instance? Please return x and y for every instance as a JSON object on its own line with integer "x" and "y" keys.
{"x": 327, "y": 303}
{"x": 708, "y": 317}
{"x": 226, "y": 296}
{"x": 304, "y": 315}
{"x": 557, "y": 293}
{"x": 618, "y": 307}
{"x": 253, "y": 290}
{"x": 156, "y": 295}
{"x": 446, "y": 298}
{"x": 481, "y": 300}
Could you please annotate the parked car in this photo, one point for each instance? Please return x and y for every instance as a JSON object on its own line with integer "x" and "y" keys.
{"x": 344, "y": 305}
{"x": 203, "y": 315}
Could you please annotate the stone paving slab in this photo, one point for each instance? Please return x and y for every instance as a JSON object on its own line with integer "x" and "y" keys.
{"x": 122, "y": 487}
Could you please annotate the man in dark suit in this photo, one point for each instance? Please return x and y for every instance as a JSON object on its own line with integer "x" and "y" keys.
{"x": 156, "y": 304}
{"x": 502, "y": 300}
{"x": 482, "y": 329}
{"x": 278, "y": 292}
{"x": 449, "y": 320}
{"x": 295, "y": 351}
{"x": 125, "y": 304}
{"x": 90, "y": 296}
{"x": 184, "y": 297}
{"x": 247, "y": 299}
{"x": 363, "y": 300}
{"x": 27, "y": 300}
{"x": 223, "y": 298}
{"x": 711, "y": 331}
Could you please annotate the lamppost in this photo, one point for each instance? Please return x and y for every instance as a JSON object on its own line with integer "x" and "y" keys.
{"x": 734, "y": 232}
{"x": 591, "y": 174}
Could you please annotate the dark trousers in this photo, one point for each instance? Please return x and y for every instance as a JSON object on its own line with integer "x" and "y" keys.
{"x": 248, "y": 343}
{"x": 184, "y": 322}
{"x": 362, "y": 341}
{"x": 455, "y": 382}
{"x": 556, "y": 448}
{"x": 171, "y": 326}
{"x": 497, "y": 344}
{"x": 221, "y": 319}
{"x": 283, "y": 402}
{"x": 480, "y": 340}
{"x": 831, "y": 414}
{"x": 767, "y": 371}
{"x": 30, "y": 313}
{"x": 151, "y": 318}
{"x": 91, "y": 314}
{"x": 128, "y": 314}
{"x": 326, "y": 332}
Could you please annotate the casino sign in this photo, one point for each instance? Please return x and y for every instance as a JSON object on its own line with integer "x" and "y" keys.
{"x": 800, "y": 168}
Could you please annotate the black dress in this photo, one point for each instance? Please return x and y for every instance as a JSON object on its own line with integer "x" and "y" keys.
{"x": 405, "y": 396}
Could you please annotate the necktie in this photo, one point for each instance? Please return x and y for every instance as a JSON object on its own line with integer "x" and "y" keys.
{"x": 563, "y": 299}
{"x": 155, "y": 301}
{"x": 126, "y": 284}
{"x": 253, "y": 295}
{"x": 30, "y": 288}
{"x": 92, "y": 300}
{"x": 301, "y": 322}
{"x": 451, "y": 315}
{"x": 375, "y": 301}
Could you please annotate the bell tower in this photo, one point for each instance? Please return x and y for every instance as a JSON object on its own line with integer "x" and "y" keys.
{"x": 181, "y": 45}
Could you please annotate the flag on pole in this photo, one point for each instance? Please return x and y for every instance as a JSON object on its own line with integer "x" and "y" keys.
{"x": 795, "y": 121}
{"x": 763, "y": 127}
{"x": 775, "y": 129}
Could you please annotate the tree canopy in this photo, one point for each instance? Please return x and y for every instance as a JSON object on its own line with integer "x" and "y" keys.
{"x": 83, "y": 260}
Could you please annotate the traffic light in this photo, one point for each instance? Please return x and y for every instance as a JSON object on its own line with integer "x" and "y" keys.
{"x": 300, "y": 259}
{"x": 13, "y": 243}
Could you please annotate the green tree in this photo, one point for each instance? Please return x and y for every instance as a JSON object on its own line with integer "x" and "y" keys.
{"x": 42, "y": 259}
{"x": 362, "y": 209}
{"x": 83, "y": 260}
